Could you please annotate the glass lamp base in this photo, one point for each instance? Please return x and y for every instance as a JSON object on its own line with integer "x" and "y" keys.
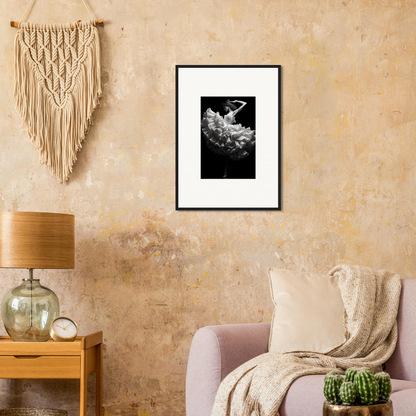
{"x": 28, "y": 311}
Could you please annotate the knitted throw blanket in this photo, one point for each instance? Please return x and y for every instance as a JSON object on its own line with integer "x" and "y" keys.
{"x": 371, "y": 301}
{"x": 57, "y": 87}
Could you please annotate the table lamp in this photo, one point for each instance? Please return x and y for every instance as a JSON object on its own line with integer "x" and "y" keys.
{"x": 34, "y": 240}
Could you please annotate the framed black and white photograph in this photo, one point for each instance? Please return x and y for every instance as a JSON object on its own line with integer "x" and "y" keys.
{"x": 228, "y": 137}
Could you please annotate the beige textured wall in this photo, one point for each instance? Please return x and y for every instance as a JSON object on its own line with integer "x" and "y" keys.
{"x": 149, "y": 276}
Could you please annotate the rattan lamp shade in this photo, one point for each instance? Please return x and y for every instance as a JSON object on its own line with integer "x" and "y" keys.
{"x": 37, "y": 240}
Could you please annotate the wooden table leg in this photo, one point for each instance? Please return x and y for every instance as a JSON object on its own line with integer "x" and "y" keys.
{"x": 83, "y": 385}
{"x": 99, "y": 380}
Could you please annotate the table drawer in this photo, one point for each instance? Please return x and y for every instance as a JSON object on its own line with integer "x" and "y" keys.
{"x": 54, "y": 366}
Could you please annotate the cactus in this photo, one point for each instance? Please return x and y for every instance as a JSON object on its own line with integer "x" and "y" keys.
{"x": 384, "y": 384}
{"x": 331, "y": 390}
{"x": 348, "y": 393}
{"x": 331, "y": 373}
{"x": 350, "y": 373}
{"x": 367, "y": 386}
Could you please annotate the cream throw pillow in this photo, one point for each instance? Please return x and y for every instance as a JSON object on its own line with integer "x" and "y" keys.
{"x": 308, "y": 313}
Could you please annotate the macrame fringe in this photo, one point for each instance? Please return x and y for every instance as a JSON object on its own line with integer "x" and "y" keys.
{"x": 57, "y": 130}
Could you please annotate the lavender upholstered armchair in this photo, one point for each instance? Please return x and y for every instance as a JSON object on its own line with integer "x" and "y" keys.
{"x": 218, "y": 350}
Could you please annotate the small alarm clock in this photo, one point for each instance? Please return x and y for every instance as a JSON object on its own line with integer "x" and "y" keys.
{"x": 63, "y": 329}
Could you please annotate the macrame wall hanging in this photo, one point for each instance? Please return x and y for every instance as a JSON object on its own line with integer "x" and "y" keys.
{"x": 57, "y": 86}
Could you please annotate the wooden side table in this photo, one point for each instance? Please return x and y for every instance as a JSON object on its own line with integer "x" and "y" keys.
{"x": 58, "y": 360}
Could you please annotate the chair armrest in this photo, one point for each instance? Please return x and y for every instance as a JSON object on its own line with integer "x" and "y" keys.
{"x": 215, "y": 352}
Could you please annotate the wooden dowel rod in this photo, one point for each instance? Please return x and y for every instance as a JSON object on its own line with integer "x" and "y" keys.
{"x": 97, "y": 22}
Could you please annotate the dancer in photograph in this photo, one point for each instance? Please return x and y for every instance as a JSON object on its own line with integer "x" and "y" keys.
{"x": 224, "y": 137}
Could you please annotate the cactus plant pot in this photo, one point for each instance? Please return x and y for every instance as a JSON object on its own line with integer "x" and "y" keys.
{"x": 382, "y": 409}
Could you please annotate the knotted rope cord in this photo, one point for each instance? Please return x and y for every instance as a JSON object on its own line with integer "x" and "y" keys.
{"x": 55, "y": 56}
{"x": 57, "y": 87}
{"x": 32, "y": 1}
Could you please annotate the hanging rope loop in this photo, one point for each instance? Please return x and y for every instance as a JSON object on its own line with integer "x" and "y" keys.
{"x": 93, "y": 20}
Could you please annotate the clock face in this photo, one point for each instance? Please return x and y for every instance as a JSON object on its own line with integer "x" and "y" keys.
{"x": 64, "y": 327}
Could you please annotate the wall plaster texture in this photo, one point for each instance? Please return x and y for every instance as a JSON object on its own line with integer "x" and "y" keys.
{"x": 149, "y": 276}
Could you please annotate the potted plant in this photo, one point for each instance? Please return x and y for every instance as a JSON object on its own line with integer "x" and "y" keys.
{"x": 358, "y": 393}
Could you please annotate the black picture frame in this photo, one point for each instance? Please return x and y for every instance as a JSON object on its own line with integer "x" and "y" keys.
{"x": 228, "y": 137}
